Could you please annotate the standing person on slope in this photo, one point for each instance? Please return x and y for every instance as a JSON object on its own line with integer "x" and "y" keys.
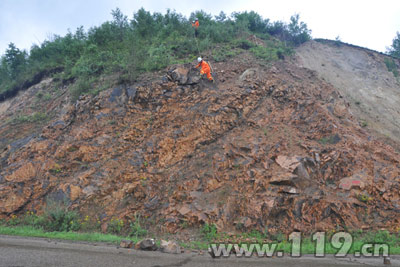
{"x": 195, "y": 25}
{"x": 205, "y": 68}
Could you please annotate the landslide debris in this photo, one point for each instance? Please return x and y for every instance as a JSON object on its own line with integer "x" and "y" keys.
{"x": 363, "y": 79}
{"x": 267, "y": 147}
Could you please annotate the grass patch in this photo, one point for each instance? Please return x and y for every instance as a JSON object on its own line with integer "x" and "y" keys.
{"x": 75, "y": 236}
{"x": 209, "y": 232}
{"x": 274, "y": 50}
{"x": 225, "y": 52}
{"x": 33, "y": 118}
{"x": 58, "y": 221}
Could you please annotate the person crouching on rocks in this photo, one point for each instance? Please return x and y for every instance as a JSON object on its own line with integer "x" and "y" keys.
{"x": 205, "y": 68}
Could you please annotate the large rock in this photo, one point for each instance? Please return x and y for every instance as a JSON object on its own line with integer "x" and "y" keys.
{"x": 249, "y": 74}
{"x": 286, "y": 178}
{"x": 299, "y": 172}
{"x": 25, "y": 172}
{"x": 289, "y": 163}
{"x": 170, "y": 247}
{"x": 184, "y": 74}
{"x": 131, "y": 93}
{"x": 75, "y": 192}
{"x": 358, "y": 180}
{"x": 20, "y": 143}
{"x": 126, "y": 244}
{"x": 12, "y": 200}
{"x": 146, "y": 244}
{"x": 180, "y": 75}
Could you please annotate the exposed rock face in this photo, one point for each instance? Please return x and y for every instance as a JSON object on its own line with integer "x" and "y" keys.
{"x": 276, "y": 150}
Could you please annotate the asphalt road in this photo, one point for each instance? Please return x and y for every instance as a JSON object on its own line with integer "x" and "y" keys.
{"x": 20, "y": 251}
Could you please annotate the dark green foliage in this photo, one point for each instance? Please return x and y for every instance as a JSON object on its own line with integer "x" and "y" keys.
{"x": 13, "y": 66}
{"x": 147, "y": 42}
{"x": 298, "y": 31}
{"x": 394, "y": 50}
{"x": 251, "y": 21}
{"x": 294, "y": 33}
{"x": 209, "y": 232}
{"x": 14, "y": 61}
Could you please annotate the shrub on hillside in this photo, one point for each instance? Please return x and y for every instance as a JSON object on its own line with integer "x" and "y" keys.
{"x": 394, "y": 50}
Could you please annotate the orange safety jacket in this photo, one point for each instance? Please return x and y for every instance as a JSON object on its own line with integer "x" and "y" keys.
{"x": 205, "y": 69}
{"x": 196, "y": 24}
{"x": 204, "y": 66}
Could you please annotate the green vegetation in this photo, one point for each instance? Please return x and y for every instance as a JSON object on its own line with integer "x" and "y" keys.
{"x": 225, "y": 52}
{"x": 394, "y": 50}
{"x": 392, "y": 67}
{"x": 57, "y": 217}
{"x": 270, "y": 53}
{"x": 35, "y": 232}
{"x": 115, "y": 226}
{"x": 209, "y": 232}
{"x": 136, "y": 230}
{"x": 33, "y": 118}
{"x": 146, "y": 42}
{"x": 45, "y": 97}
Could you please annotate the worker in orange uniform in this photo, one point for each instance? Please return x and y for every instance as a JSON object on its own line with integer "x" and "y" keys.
{"x": 195, "y": 25}
{"x": 205, "y": 68}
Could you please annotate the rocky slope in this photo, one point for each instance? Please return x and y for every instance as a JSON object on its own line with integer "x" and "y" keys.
{"x": 363, "y": 79}
{"x": 266, "y": 147}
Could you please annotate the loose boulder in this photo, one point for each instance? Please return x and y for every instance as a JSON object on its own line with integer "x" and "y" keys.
{"x": 148, "y": 244}
{"x": 170, "y": 247}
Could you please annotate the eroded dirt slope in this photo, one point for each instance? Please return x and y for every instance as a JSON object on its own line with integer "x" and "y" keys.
{"x": 362, "y": 78}
{"x": 267, "y": 147}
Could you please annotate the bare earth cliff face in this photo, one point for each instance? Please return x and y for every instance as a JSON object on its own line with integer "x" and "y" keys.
{"x": 364, "y": 80}
{"x": 272, "y": 147}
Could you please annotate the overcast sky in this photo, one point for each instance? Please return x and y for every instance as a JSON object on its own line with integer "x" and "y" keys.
{"x": 371, "y": 24}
